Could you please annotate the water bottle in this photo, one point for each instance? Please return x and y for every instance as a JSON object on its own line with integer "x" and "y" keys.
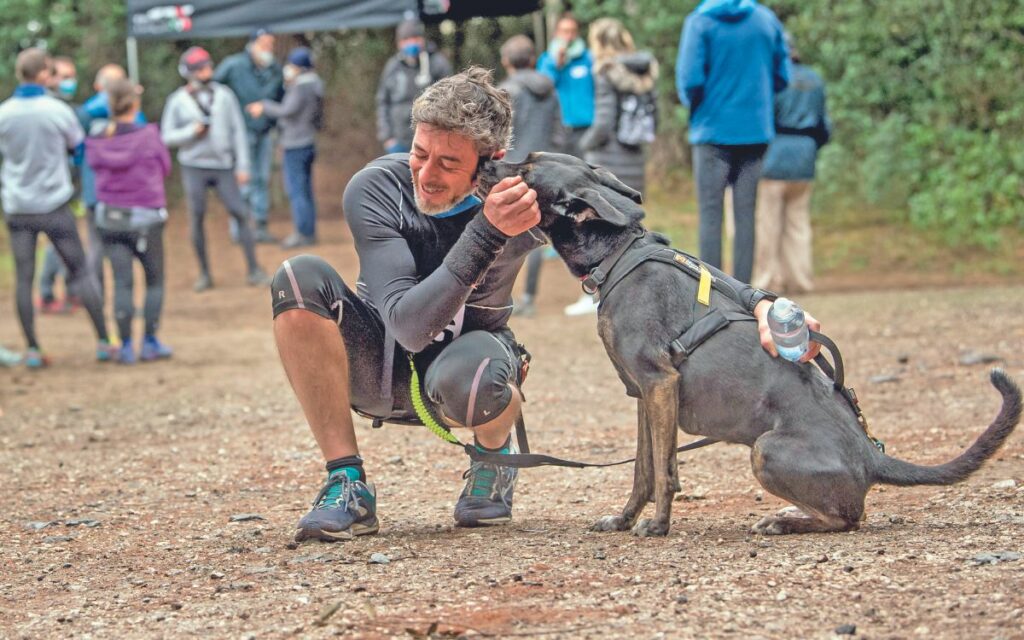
{"x": 789, "y": 329}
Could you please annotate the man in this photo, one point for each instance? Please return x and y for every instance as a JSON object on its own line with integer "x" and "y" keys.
{"x": 783, "y": 260}
{"x": 299, "y": 116}
{"x": 732, "y": 60}
{"x": 255, "y": 75}
{"x": 437, "y": 268}
{"x": 417, "y": 65}
{"x": 536, "y": 126}
{"x": 570, "y": 66}
{"x": 37, "y": 132}
{"x": 204, "y": 121}
{"x": 64, "y": 79}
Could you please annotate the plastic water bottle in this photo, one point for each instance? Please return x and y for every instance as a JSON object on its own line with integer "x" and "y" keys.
{"x": 789, "y": 329}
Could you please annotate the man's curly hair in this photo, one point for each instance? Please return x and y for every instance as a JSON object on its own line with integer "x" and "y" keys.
{"x": 469, "y": 104}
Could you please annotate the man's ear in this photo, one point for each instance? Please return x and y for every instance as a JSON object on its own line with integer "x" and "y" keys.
{"x": 608, "y": 179}
{"x": 589, "y": 204}
{"x": 498, "y": 155}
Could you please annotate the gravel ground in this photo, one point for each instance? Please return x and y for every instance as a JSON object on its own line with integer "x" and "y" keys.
{"x": 122, "y": 486}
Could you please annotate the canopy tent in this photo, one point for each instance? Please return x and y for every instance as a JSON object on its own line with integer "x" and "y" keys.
{"x": 158, "y": 19}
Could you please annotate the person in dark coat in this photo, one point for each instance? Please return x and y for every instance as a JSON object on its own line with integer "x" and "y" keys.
{"x": 417, "y": 65}
{"x": 536, "y": 126}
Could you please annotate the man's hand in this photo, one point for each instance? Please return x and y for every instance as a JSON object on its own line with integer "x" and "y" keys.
{"x": 201, "y": 129}
{"x": 255, "y": 109}
{"x": 761, "y": 313}
{"x": 511, "y": 206}
{"x": 242, "y": 177}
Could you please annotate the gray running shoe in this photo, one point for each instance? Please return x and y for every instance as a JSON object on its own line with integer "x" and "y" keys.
{"x": 261, "y": 235}
{"x": 296, "y": 240}
{"x": 258, "y": 278}
{"x": 203, "y": 283}
{"x": 487, "y": 497}
{"x": 342, "y": 510}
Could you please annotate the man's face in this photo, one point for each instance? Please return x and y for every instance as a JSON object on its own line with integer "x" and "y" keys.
{"x": 567, "y": 30}
{"x": 64, "y": 71}
{"x": 443, "y": 168}
{"x": 204, "y": 74}
{"x": 264, "y": 43}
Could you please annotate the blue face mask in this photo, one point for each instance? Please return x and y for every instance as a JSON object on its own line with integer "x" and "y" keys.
{"x": 67, "y": 88}
{"x": 411, "y": 50}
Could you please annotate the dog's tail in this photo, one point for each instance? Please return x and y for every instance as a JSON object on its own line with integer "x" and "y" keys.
{"x": 905, "y": 474}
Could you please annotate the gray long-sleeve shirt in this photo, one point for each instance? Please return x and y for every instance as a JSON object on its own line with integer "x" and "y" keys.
{"x": 299, "y": 112}
{"x": 224, "y": 146}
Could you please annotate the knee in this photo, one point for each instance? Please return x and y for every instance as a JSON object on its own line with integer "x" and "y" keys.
{"x": 470, "y": 392}
{"x": 306, "y": 282}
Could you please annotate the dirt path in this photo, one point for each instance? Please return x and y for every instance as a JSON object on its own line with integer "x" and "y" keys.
{"x": 156, "y": 460}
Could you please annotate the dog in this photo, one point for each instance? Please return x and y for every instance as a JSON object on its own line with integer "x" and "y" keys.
{"x": 807, "y": 446}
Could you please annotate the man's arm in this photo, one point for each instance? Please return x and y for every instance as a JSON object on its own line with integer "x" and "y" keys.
{"x": 548, "y": 67}
{"x": 293, "y": 102}
{"x": 690, "y": 64}
{"x": 173, "y": 133}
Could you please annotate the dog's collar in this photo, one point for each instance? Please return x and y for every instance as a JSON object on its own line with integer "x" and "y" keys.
{"x": 598, "y": 275}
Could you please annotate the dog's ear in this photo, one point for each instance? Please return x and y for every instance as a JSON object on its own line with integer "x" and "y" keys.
{"x": 589, "y": 204}
{"x": 608, "y": 179}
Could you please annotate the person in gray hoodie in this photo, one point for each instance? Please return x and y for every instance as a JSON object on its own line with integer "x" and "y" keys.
{"x": 204, "y": 121}
{"x": 299, "y": 116}
{"x": 536, "y": 126}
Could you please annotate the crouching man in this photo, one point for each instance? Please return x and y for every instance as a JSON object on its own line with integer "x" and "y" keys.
{"x": 437, "y": 266}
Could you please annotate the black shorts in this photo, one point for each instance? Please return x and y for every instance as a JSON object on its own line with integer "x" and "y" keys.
{"x": 466, "y": 377}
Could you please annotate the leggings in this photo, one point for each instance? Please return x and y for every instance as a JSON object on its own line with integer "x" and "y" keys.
{"x": 59, "y": 226}
{"x": 121, "y": 248}
{"x": 196, "y": 181}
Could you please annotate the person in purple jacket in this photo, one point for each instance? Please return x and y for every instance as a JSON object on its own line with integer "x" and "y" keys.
{"x": 131, "y": 162}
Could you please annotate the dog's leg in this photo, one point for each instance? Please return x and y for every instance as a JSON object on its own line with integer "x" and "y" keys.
{"x": 643, "y": 479}
{"x": 661, "y": 404}
{"x": 828, "y": 493}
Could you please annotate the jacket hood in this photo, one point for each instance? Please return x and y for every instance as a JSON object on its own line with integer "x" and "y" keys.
{"x": 632, "y": 72}
{"x": 727, "y": 10}
{"x": 536, "y": 83}
{"x": 121, "y": 151}
{"x": 312, "y": 78}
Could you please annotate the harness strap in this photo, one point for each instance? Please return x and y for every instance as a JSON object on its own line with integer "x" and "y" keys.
{"x": 706, "y": 326}
{"x": 593, "y": 281}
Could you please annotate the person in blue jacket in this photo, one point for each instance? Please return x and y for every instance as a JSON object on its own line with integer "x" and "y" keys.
{"x": 732, "y": 60}
{"x": 569, "y": 64}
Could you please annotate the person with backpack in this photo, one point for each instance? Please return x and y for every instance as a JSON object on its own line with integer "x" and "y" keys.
{"x": 131, "y": 162}
{"x": 299, "y": 116}
{"x": 625, "y": 113}
{"x": 204, "y": 121}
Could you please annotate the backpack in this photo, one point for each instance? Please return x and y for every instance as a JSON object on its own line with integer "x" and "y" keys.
{"x": 638, "y": 119}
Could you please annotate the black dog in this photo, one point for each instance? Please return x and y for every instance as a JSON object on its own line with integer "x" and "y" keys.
{"x": 807, "y": 446}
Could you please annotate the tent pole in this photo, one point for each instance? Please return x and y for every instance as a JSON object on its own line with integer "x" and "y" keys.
{"x": 132, "y": 46}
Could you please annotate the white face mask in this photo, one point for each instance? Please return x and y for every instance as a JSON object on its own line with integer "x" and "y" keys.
{"x": 290, "y": 73}
{"x": 264, "y": 58}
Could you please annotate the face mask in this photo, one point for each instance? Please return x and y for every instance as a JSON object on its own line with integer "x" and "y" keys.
{"x": 290, "y": 73}
{"x": 67, "y": 88}
{"x": 264, "y": 58}
{"x": 411, "y": 50}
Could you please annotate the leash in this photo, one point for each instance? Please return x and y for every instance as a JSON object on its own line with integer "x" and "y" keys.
{"x": 524, "y": 460}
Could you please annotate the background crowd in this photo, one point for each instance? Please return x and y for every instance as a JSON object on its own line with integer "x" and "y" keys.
{"x": 757, "y": 118}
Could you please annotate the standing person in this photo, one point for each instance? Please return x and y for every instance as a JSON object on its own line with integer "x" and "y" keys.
{"x": 299, "y": 116}
{"x": 569, "y": 65}
{"x": 131, "y": 163}
{"x": 732, "y": 60}
{"x": 536, "y": 126}
{"x": 63, "y": 85}
{"x": 417, "y": 65}
{"x": 37, "y": 132}
{"x": 204, "y": 121}
{"x": 437, "y": 268}
{"x": 783, "y": 259}
{"x": 255, "y": 75}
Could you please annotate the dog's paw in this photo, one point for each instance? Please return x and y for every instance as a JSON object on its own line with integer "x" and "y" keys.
{"x": 769, "y": 526}
{"x": 610, "y": 523}
{"x": 649, "y": 528}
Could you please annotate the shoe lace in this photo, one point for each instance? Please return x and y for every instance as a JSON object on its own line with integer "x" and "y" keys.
{"x": 483, "y": 477}
{"x": 339, "y": 491}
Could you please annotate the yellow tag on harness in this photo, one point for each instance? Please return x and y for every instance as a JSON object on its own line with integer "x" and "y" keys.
{"x": 704, "y": 286}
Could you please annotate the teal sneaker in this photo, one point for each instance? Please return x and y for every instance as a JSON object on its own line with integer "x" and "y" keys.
{"x": 35, "y": 359}
{"x": 9, "y": 358}
{"x": 343, "y": 509}
{"x": 106, "y": 351}
{"x": 487, "y": 497}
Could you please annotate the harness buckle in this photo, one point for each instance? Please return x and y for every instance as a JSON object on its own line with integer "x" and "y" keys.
{"x": 592, "y": 282}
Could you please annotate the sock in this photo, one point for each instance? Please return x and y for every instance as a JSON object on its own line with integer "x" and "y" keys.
{"x": 505, "y": 448}
{"x": 352, "y": 466}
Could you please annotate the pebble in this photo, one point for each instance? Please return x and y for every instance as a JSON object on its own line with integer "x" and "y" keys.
{"x": 38, "y": 526}
{"x": 1009, "y": 483}
{"x": 846, "y": 630}
{"x": 246, "y": 517}
{"x": 682, "y": 599}
{"x": 83, "y": 521}
{"x": 972, "y": 358}
{"x": 379, "y": 558}
{"x": 395, "y": 460}
{"x": 884, "y": 378}
{"x": 58, "y": 538}
{"x": 995, "y": 557}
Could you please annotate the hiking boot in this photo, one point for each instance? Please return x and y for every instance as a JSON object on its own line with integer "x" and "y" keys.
{"x": 153, "y": 349}
{"x": 203, "y": 283}
{"x": 487, "y": 497}
{"x": 34, "y": 359}
{"x": 258, "y": 278}
{"x": 296, "y": 240}
{"x": 125, "y": 354}
{"x": 343, "y": 509}
{"x": 106, "y": 352}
